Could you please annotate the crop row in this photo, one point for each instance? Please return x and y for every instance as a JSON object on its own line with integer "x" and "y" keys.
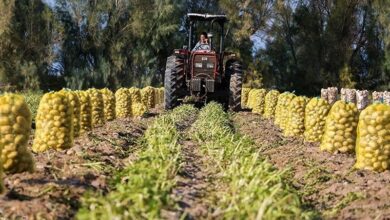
{"x": 339, "y": 127}
{"x": 142, "y": 190}
{"x": 250, "y": 187}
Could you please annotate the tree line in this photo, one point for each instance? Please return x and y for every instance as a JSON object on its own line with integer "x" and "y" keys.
{"x": 300, "y": 45}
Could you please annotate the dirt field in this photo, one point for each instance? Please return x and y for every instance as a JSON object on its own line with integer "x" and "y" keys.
{"x": 326, "y": 182}
{"x": 53, "y": 191}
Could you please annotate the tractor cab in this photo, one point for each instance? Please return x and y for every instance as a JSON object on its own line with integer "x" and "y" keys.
{"x": 205, "y": 64}
{"x": 213, "y": 25}
{"x": 203, "y": 72}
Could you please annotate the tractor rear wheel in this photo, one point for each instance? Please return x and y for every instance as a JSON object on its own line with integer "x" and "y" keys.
{"x": 235, "y": 85}
{"x": 173, "y": 82}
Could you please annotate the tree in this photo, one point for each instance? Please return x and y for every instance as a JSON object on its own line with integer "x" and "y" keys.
{"x": 25, "y": 44}
{"x": 120, "y": 44}
{"x": 382, "y": 11}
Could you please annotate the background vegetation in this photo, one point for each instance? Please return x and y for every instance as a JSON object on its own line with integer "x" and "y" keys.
{"x": 300, "y": 45}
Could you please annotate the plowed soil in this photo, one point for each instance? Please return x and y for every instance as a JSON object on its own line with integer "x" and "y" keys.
{"x": 54, "y": 189}
{"x": 327, "y": 182}
{"x": 193, "y": 185}
{"x": 194, "y": 181}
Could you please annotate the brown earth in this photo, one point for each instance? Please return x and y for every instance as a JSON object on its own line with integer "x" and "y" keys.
{"x": 53, "y": 191}
{"x": 194, "y": 180}
{"x": 327, "y": 182}
{"x": 193, "y": 185}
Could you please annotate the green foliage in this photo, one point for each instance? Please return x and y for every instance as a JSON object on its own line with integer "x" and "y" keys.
{"x": 6, "y": 10}
{"x": 253, "y": 79}
{"x": 120, "y": 44}
{"x": 32, "y": 99}
{"x": 382, "y": 11}
{"x": 142, "y": 189}
{"x": 309, "y": 44}
{"x": 246, "y": 177}
{"x": 305, "y": 45}
{"x": 346, "y": 80}
{"x": 25, "y": 46}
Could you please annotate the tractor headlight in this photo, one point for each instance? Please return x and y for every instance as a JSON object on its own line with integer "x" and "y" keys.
{"x": 198, "y": 65}
{"x": 210, "y": 65}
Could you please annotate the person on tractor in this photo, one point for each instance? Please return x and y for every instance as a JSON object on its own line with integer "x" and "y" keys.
{"x": 203, "y": 43}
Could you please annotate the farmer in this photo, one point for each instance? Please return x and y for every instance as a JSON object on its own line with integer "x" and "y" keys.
{"x": 203, "y": 43}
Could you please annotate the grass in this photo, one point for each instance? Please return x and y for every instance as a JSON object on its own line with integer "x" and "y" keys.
{"x": 142, "y": 189}
{"x": 347, "y": 199}
{"x": 252, "y": 187}
{"x": 32, "y": 98}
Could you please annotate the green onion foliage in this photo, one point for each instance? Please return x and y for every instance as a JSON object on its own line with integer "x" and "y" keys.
{"x": 142, "y": 189}
{"x": 252, "y": 188}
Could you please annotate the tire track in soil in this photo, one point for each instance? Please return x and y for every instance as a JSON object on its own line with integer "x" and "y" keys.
{"x": 194, "y": 183}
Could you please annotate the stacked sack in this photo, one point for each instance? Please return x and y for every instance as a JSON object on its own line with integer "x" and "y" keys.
{"x": 351, "y": 96}
{"x": 343, "y": 94}
{"x": 135, "y": 95}
{"x": 97, "y": 107}
{"x": 15, "y": 128}
{"x": 315, "y": 115}
{"x": 282, "y": 114}
{"x": 377, "y": 97}
{"x": 156, "y": 96}
{"x": 159, "y": 95}
{"x": 161, "y": 92}
{"x": 109, "y": 104}
{"x": 340, "y": 128}
{"x": 75, "y": 104}
{"x": 296, "y": 117}
{"x": 138, "y": 108}
{"x": 279, "y": 106}
{"x": 332, "y": 95}
{"x": 244, "y": 97}
{"x": 250, "y": 98}
{"x": 271, "y": 100}
{"x": 373, "y": 138}
{"x": 54, "y": 123}
{"x": 257, "y": 100}
{"x": 386, "y": 97}
{"x": 324, "y": 94}
{"x": 362, "y": 99}
{"x": 85, "y": 111}
{"x": 123, "y": 103}
{"x": 348, "y": 95}
{"x": 147, "y": 97}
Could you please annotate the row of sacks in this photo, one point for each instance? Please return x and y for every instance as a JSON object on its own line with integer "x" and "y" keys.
{"x": 339, "y": 127}
{"x": 67, "y": 114}
{"x": 61, "y": 117}
{"x": 135, "y": 102}
{"x": 361, "y": 98}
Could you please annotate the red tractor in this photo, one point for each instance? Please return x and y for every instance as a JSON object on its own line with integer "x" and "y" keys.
{"x": 203, "y": 73}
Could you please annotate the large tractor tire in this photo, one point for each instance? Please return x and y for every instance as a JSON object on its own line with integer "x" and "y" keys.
{"x": 173, "y": 82}
{"x": 234, "y": 70}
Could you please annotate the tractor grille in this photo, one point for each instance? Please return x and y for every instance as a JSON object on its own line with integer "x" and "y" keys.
{"x": 204, "y": 66}
{"x": 196, "y": 85}
{"x": 210, "y": 85}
